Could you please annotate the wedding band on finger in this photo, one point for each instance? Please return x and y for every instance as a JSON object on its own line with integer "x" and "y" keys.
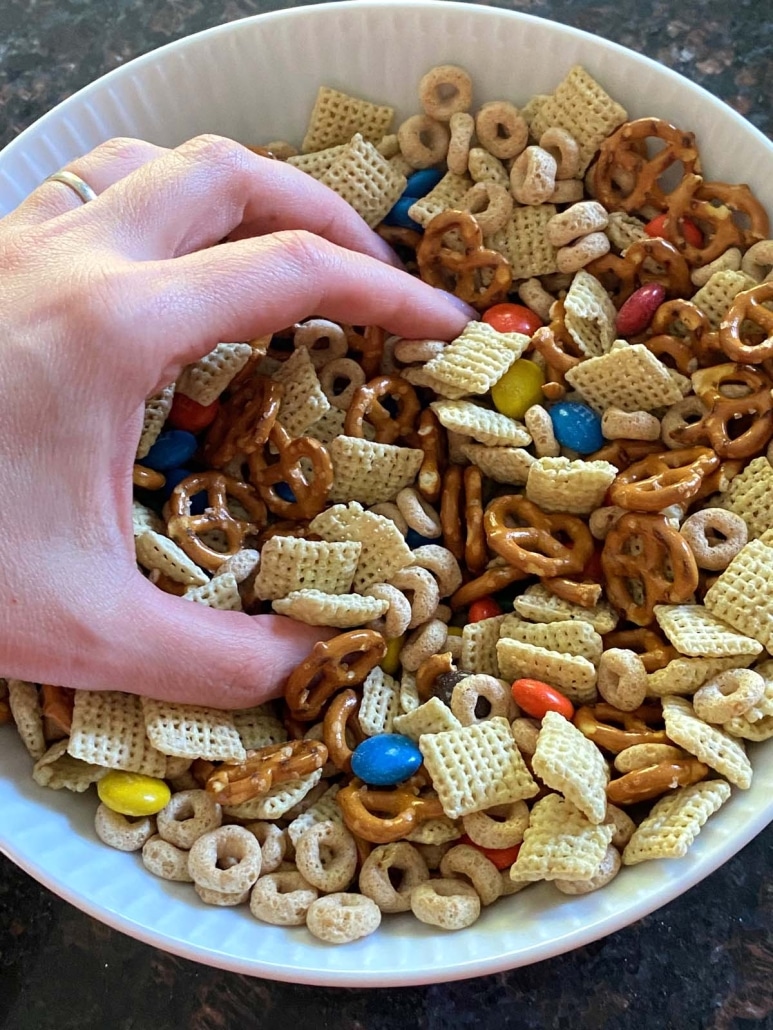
{"x": 76, "y": 184}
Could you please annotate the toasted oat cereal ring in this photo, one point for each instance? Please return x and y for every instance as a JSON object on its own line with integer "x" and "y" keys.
{"x": 564, "y": 148}
{"x": 567, "y": 191}
{"x": 629, "y": 425}
{"x": 623, "y": 824}
{"x": 462, "y": 126}
{"x": 340, "y": 379}
{"x": 122, "y": 832}
{"x": 226, "y": 859}
{"x": 622, "y": 679}
{"x": 543, "y": 437}
{"x": 419, "y": 515}
{"x": 655, "y": 780}
{"x": 536, "y": 297}
{"x": 282, "y": 898}
{"x": 491, "y": 203}
{"x": 425, "y": 641}
{"x": 470, "y": 691}
{"x": 607, "y": 871}
{"x": 166, "y": 860}
{"x": 224, "y": 899}
{"x": 449, "y": 904}
{"x": 502, "y": 826}
{"x": 324, "y": 340}
{"x": 342, "y": 918}
{"x": 715, "y": 537}
{"x": 442, "y": 564}
{"x": 398, "y": 616}
{"x": 757, "y": 262}
{"x": 467, "y": 861}
{"x": 602, "y": 519}
{"x": 729, "y": 261}
{"x": 410, "y": 351}
{"x": 525, "y": 732}
{"x": 421, "y": 588}
{"x": 423, "y": 141}
{"x": 273, "y": 844}
{"x": 728, "y": 695}
{"x": 444, "y": 91}
{"x": 580, "y": 219}
{"x": 501, "y": 130}
{"x": 533, "y": 176}
{"x": 390, "y": 873}
{"x": 580, "y": 254}
{"x": 641, "y": 756}
{"x": 188, "y": 815}
{"x": 326, "y": 856}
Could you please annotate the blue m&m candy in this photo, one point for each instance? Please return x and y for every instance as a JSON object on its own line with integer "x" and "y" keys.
{"x": 386, "y": 759}
{"x": 398, "y": 215}
{"x": 172, "y": 449}
{"x": 420, "y": 183}
{"x": 577, "y": 426}
{"x": 414, "y": 539}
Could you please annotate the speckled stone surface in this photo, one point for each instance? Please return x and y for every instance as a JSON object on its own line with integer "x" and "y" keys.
{"x": 704, "y": 962}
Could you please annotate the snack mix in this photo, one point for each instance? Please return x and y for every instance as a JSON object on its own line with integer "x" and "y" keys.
{"x": 547, "y": 544}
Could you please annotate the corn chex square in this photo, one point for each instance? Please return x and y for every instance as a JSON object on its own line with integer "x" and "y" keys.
{"x": 502, "y": 464}
{"x": 417, "y": 375}
{"x": 336, "y": 117}
{"x": 675, "y": 821}
{"x": 257, "y": 728}
{"x": 576, "y": 486}
{"x": 108, "y": 729}
{"x": 324, "y": 810}
{"x": 303, "y": 399}
{"x": 24, "y": 702}
{"x": 344, "y": 611}
{"x": 629, "y": 377}
{"x": 59, "y": 771}
{"x": 573, "y": 675}
{"x": 380, "y": 703}
{"x": 317, "y": 162}
{"x": 479, "y": 646}
{"x": 289, "y": 563}
{"x": 477, "y": 358}
{"x": 685, "y": 675}
{"x": 435, "y": 831}
{"x": 716, "y": 296}
{"x": 710, "y": 745}
{"x": 222, "y": 592}
{"x": 482, "y": 424}
{"x": 750, "y": 495}
{"x": 624, "y": 229}
{"x": 537, "y": 604}
{"x": 524, "y": 242}
{"x": 742, "y": 595}
{"x": 205, "y": 379}
{"x": 476, "y": 767}
{"x": 409, "y": 694}
{"x": 567, "y": 761}
{"x": 570, "y": 636}
{"x": 446, "y": 195}
{"x": 192, "y": 731}
{"x": 383, "y": 548}
{"x": 431, "y": 717}
{"x": 365, "y": 180}
{"x": 590, "y": 315}
{"x": 694, "y": 631}
{"x": 582, "y": 107}
{"x": 156, "y": 551}
{"x": 276, "y": 801}
{"x": 157, "y": 408}
{"x": 145, "y": 518}
{"x": 371, "y": 472}
{"x": 560, "y": 843}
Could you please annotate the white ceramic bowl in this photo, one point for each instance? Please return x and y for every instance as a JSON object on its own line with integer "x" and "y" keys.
{"x": 255, "y": 80}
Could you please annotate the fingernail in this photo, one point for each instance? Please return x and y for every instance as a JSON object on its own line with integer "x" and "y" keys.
{"x": 461, "y": 305}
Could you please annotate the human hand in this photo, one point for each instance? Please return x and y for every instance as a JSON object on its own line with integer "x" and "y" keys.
{"x": 104, "y": 304}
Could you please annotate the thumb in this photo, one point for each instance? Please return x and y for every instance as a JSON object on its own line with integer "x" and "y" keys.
{"x": 177, "y": 650}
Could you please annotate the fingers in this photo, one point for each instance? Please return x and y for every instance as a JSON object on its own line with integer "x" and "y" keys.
{"x": 247, "y": 288}
{"x": 100, "y": 169}
{"x": 198, "y": 194}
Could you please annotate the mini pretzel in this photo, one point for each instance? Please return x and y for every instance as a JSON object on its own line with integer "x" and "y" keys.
{"x": 490, "y": 582}
{"x": 450, "y": 511}
{"x": 475, "y": 550}
{"x": 368, "y": 344}
{"x": 552, "y": 342}
{"x": 713, "y": 386}
{"x": 147, "y": 479}
{"x": 748, "y": 310}
{"x": 626, "y": 179}
{"x": 655, "y": 482}
{"x": 653, "y": 650}
{"x": 699, "y": 341}
{"x": 533, "y": 546}
{"x": 366, "y": 404}
{"x": 343, "y": 661}
{"x": 324, "y": 340}
{"x": 187, "y": 529}
{"x": 655, "y": 780}
{"x": 622, "y": 275}
{"x": 56, "y": 707}
{"x": 428, "y": 672}
{"x": 309, "y": 492}
{"x": 623, "y": 453}
{"x": 264, "y": 768}
{"x": 341, "y": 716}
{"x": 598, "y": 723}
{"x": 647, "y": 562}
{"x": 429, "y": 439}
{"x": 585, "y": 594}
{"x": 712, "y": 207}
{"x": 463, "y": 272}
{"x": 243, "y": 422}
{"x": 402, "y": 810}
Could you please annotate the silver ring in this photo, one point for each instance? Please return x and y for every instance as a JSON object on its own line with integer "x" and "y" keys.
{"x": 76, "y": 184}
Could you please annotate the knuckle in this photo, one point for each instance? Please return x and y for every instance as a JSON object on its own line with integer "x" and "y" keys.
{"x": 304, "y": 250}
{"x": 120, "y": 148}
{"x": 215, "y": 150}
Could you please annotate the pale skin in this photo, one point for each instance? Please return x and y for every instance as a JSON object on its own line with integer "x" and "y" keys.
{"x": 103, "y": 304}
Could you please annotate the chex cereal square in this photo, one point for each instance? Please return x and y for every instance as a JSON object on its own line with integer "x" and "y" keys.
{"x": 709, "y": 744}
{"x": 675, "y": 821}
{"x": 560, "y": 843}
{"x": 694, "y": 631}
{"x": 108, "y": 729}
{"x": 192, "y": 731}
{"x": 567, "y": 761}
{"x": 336, "y": 117}
{"x": 742, "y": 595}
{"x": 589, "y": 314}
{"x": 477, "y": 358}
{"x": 628, "y": 377}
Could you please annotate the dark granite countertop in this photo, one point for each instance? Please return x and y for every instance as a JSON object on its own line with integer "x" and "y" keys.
{"x": 703, "y": 962}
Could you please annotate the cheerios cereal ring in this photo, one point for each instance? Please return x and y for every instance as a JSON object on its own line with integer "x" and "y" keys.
{"x": 188, "y": 815}
{"x": 379, "y": 875}
{"x": 223, "y": 899}
{"x": 420, "y": 516}
{"x": 641, "y": 756}
{"x": 492, "y": 205}
{"x": 533, "y": 176}
{"x": 622, "y": 679}
{"x": 425, "y": 641}
{"x": 442, "y": 564}
{"x": 422, "y": 591}
{"x": 326, "y": 856}
{"x": 464, "y": 860}
{"x": 715, "y": 537}
{"x": 502, "y": 826}
{"x": 166, "y": 860}
{"x": 449, "y": 904}
{"x": 337, "y": 371}
{"x": 273, "y": 844}
{"x": 564, "y": 148}
{"x": 282, "y": 898}
{"x": 423, "y": 141}
{"x": 330, "y": 335}
{"x": 501, "y": 129}
{"x": 398, "y": 615}
{"x": 729, "y": 694}
{"x": 342, "y": 918}
{"x": 469, "y": 691}
{"x": 606, "y": 872}
{"x": 444, "y": 91}
{"x": 209, "y": 860}
{"x": 119, "y": 832}
{"x": 624, "y": 826}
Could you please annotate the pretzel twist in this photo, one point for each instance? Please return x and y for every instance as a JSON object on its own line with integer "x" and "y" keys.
{"x": 309, "y": 491}
{"x": 343, "y": 661}
{"x": 655, "y": 780}
{"x": 533, "y": 546}
{"x": 615, "y": 730}
{"x": 626, "y": 273}
{"x": 263, "y": 769}
{"x": 719, "y": 426}
{"x": 366, "y": 405}
{"x": 383, "y": 816}
{"x": 243, "y": 422}
{"x": 477, "y": 275}
{"x": 748, "y": 311}
{"x": 655, "y": 482}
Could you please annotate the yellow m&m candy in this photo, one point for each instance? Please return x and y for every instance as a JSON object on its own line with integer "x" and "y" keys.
{"x": 518, "y": 389}
{"x": 132, "y": 794}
